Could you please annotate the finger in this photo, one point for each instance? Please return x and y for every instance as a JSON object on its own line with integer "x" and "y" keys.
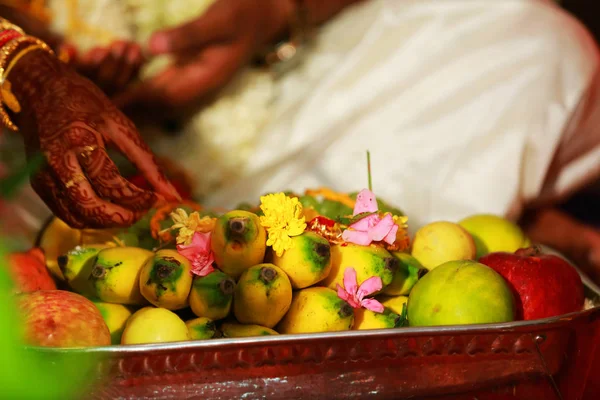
{"x": 91, "y": 60}
{"x": 112, "y": 65}
{"x": 106, "y": 180}
{"x": 180, "y": 85}
{"x": 214, "y": 25}
{"x": 130, "y": 65}
{"x": 126, "y": 138}
{"x": 94, "y": 212}
{"x": 49, "y": 191}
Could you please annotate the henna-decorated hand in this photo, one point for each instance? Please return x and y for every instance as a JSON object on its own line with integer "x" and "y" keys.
{"x": 69, "y": 120}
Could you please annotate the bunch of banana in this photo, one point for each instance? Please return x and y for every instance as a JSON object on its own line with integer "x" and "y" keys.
{"x": 149, "y": 296}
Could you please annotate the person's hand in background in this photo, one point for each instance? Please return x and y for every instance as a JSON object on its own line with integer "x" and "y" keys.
{"x": 112, "y": 68}
{"x": 208, "y": 52}
{"x": 577, "y": 241}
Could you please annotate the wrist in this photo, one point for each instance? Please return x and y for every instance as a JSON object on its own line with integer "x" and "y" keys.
{"x": 279, "y": 18}
{"x": 320, "y": 11}
{"x": 28, "y": 79}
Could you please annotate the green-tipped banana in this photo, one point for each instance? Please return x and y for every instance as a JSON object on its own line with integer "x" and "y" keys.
{"x": 366, "y": 319}
{"x": 307, "y": 262}
{"x": 211, "y": 295}
{"x": 233, "y": 330}
{"x": 407, "y": 274}
{"x": 396, "y": 304}
{"x": 368, "y": 261}
{"x": 115, "y": 276}
{"x": 317, "y": 309}
{"x": 115, "y": 316}
{"x": 238, "y": 242}
{"x": 77, "y": 265}
{"x": 166, "y": 280}
{"x": 202, "y": 328}
{"x": 262, "y": 296}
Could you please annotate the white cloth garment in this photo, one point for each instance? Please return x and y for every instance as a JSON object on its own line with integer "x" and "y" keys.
{"x": 465, "y": 106}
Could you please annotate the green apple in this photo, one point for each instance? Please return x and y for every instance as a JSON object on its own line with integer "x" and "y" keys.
{"x": 493, "y": 233}
{"x": 458, "y": 293}
{"x": 407, "y": 274}
{"x": 440, "y": 242}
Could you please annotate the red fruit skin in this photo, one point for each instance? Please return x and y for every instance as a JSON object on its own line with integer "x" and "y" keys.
{"x": 58, "y": 318}
{"x": 544, "y": 285}
{"x": 29, "y": 272}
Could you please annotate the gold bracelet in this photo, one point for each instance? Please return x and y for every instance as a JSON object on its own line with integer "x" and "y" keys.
{"x": 6, "y": 96}
{"x": 6, "y": 25}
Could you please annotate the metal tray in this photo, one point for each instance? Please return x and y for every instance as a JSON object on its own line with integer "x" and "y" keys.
{"x": 552, "y": 358}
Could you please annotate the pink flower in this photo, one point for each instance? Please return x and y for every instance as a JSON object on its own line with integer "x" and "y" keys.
{"x": 199, "y": 253}
{"x": 355, "y": 295}
{"x": 372, "y": 228}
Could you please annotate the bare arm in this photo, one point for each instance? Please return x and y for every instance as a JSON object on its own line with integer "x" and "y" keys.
{"x": 557, "y": 229}
{"x": 320, "y": 11}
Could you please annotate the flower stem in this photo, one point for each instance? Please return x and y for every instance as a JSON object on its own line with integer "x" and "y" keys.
{"x": 369, "y": 170}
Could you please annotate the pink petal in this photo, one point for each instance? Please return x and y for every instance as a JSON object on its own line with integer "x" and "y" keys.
{"x": 364, "y": 224}
{"x": 344, "y": 295}
{"x": 350, "y": 283}
{"x": 373, "y": 305}
{"x": 370, "y": 286}
{"x": 365, "y": 202}
{"x": 382, "y": 229}
{"x": 391, "y": 237}
{"x": 357, "y": 237}
{"x": 199, "y": 253}
{"x": 203, "y": 270}
{"x": 200, "y": 244}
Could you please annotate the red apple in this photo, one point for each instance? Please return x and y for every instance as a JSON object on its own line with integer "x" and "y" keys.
{"x": 57, "y": 318}
{"x": 544, "y": 285}
{"x": 28, "y": 269}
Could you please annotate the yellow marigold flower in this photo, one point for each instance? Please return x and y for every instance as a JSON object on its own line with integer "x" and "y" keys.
{"x": 189, "y": 224}
{"x": 401, "y": 221}
{"x": 282, "y": 219}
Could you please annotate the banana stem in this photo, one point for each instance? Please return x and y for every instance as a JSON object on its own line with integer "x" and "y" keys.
{"x": 391, "y": 264}
{"x": 99, "y": 272}
{"x": 323, "y": 250}
{"x": 227, "y": 286}
{"x": 346, "y": 310}
{"x": 164, "y": 271}
{"x": 267, "y": 274}
{"x": 237, "y": 226}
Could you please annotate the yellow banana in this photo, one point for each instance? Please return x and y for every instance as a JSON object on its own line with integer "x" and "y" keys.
{"x": 77, "y": 265}
{"x": 307, "y": 262}
{"x": 166, "y": 280}
{"x": 262, "y": 296}
{"x": 238, "y": 242}
{"x": 211, "y": 295}
{"x": 317, "y": 309}
{"x": 231, "y": 330}
{"x": 368, "y": 261}
{"x": 201, "y": 328}
{"x": 115, "y": 276}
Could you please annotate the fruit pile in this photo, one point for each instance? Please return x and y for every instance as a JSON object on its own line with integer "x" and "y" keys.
{"x": 317, "y": 262}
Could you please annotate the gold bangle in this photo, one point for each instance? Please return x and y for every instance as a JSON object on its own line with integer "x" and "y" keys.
{"x": 15, "y": 59}
{"x": 5, "y": 53}
{"x": 6, "y": 25}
